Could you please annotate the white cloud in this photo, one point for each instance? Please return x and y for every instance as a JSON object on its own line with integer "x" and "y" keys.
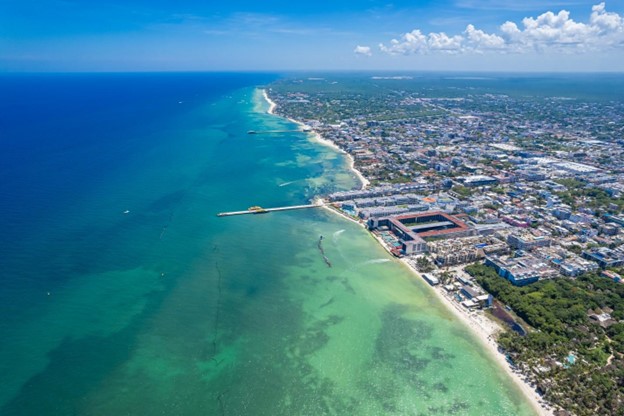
{"x": 363, "y": 50}
{"x": 478, "y": 40}
{"x": 544, "y": 33}
{"x": 443, "y": 42}
{"x": 416, "y": 42}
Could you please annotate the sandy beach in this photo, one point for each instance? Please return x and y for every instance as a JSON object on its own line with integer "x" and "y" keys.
{"x": 316, "y": 137}
{"x": 485, "y": 331}
{"x": 272, "y": 104}
{"x": 483, "y": 328}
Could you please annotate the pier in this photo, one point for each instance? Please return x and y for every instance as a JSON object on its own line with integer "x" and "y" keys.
{"x": 260, "y": 210}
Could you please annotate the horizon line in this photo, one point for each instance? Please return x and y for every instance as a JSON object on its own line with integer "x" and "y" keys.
{"x": 308, "y": 71}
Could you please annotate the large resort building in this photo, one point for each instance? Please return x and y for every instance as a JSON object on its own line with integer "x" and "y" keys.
{"x": 415, "y": 229}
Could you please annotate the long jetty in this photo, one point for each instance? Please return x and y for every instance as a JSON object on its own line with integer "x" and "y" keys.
{"x": 266, "y": 210}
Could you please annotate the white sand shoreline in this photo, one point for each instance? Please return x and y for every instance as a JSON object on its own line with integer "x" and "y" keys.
{"x": 481, "y": 327}
{"x": 272, "y": 104}
{"x": 485, "y": 330}
{"x": 316, "y": 137}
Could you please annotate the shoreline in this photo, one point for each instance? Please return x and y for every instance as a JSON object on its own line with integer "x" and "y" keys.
{"x": 316, "y": 137}
{"x": 481, "y": 327}
{"x": 272, "y": 104}
{"x": 485, "y": 330}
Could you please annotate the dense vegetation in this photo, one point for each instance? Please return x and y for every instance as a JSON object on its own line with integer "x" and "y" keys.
{"x": 424, "y": 265}
{"x": 557, "y": 309}
{"x": 463, "y": 191}
{"x": 579, "y": 193}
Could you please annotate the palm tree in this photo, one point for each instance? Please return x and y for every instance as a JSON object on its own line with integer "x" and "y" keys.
{"x": 446, "y": 277}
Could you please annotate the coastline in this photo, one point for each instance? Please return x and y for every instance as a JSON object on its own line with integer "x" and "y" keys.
{"x": 272, "y": 104}
{"x": 483, "y": 329}
{"x": 316, "y": 137}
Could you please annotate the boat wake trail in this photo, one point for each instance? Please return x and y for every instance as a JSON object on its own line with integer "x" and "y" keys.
{"x": 336, "y": 235}
{"x": 374, "y": 261}
{"x": 364, "y": 263}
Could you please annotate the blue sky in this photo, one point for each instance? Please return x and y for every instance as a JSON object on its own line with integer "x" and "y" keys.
{"x": 156, "y": 35}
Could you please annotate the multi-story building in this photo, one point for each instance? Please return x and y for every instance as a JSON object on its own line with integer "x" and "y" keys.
{"x": 414, "y": 229}
{"x": 527, "y": 241}
{"x": 605, "y": 257}
{"x": 478, "y": 180}
{"x": 520, "y": 271}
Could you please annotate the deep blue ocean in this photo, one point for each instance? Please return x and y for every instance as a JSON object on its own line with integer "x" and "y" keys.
{"x": 63, "y": 133}
{"x": 121, "y": 292}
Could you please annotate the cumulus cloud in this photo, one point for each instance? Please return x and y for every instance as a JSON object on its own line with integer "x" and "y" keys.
{"x": 546, "y": 32}
{"x": 363, "y": 50}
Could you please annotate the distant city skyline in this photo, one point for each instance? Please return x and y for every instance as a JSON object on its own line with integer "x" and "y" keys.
{"x": 457, "y": 35}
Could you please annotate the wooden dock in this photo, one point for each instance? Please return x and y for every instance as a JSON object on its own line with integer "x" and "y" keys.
{"x": 267, "y": 210}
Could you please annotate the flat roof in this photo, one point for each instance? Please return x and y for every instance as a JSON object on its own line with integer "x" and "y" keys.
{"x": 504, "y": 146}
{"x": 397, "y": 221}
{"x": 479, "y": 178}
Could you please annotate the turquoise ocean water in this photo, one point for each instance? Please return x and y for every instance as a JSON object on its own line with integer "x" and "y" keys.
{"x": 167, "y": 309}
